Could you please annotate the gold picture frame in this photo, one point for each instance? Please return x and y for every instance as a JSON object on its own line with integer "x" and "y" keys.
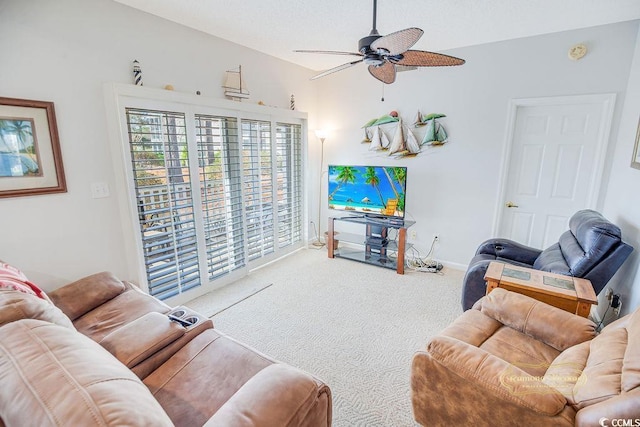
{"x": 30, "y": 156}
{"x": 635, "y": 160}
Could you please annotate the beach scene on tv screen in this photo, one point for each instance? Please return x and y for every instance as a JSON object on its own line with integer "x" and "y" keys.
{"x": 375, "y": 190}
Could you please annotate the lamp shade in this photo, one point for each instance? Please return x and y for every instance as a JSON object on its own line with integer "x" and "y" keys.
{"x": 321, "y": 134}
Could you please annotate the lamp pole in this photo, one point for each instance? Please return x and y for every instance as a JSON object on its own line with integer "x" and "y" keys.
{"x": 321, "y": 136}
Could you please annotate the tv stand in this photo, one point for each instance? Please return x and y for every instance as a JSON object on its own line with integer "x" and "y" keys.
{"x": 372, "y": 245}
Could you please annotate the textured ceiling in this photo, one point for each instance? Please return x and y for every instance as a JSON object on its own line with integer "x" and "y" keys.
{"x": 277, "y": 27}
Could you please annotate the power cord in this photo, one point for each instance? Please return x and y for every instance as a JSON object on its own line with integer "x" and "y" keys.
{"x": 426, "y": 264}
{"x": 615, "y": 303}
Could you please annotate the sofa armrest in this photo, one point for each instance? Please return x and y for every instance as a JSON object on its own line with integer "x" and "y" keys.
{"x": 496, "y": 377}
{"x": 278, "y": 395}
{"x": 138, "y": 340}
{"x": 508, "y": 249}
{"x": 553, "y": 326}
{"x": 82, "y": 296}
{"x": 622, "y": 406}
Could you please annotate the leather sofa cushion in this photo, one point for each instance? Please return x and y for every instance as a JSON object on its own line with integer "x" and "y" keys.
{"x": 216, "y": 376}
{"x": 117, "y": 312}
{"x": 196, "y": 381}
{"x": 552, "y": 260}
{"x": 51, "y": 375}
{"x": 589, "y": 238}
{"x": 15, "y": 305}
{"x": 82, "y": 296}
{"x": 140, "y": 339}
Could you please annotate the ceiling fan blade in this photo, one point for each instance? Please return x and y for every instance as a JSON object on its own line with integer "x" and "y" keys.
{"x": 329, "y": 52}
{"x": 421, "y": 58}
{"x": 398, "y": 42}
{"x": 386, "y": 72}
{"x": 335, "y": 69}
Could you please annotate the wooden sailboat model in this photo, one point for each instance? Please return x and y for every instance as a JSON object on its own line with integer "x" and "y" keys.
{"x": 419, "y": 120}
{"x": 234, "y": 86}
{"x": 435, "y": 133}
{"x": 379, "y": 140}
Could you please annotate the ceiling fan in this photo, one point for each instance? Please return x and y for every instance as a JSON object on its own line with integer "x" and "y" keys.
{"x": 387, "y": 54}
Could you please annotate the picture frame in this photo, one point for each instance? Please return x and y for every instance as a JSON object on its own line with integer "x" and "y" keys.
{"x": 635, "y": 160}
{"x": 30, "y": 155}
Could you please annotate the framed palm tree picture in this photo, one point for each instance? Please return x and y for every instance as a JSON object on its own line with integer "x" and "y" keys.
{"x": 30, "y": 156}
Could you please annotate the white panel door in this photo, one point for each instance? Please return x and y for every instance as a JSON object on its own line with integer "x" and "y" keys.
{"x": 556, "y": 152}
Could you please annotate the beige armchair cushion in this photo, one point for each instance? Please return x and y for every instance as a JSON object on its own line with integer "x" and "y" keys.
{"x": 514, "y": 360}
{"x": 537, "y": 319}
{"x": 49, "y": 378}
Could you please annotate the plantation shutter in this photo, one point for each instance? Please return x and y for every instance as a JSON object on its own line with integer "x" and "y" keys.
{"x": 258, "y": 187}
{"x": 289, "y": 183}
{"x": 159, "y": 156}
{"x": 214, "y": 189}
{"x": 220, "y": 182}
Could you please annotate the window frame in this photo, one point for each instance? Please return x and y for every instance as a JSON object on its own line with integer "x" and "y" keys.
{"x": 118, "y": 97}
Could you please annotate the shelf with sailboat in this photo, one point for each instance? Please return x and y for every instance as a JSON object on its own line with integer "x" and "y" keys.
{"x": 235, "y": 87}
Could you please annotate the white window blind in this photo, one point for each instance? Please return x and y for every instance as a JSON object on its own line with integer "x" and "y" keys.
{"x": 289, "y": 183}
{"x": 258, "y": 187}
{"x": 159, "y": 155}
{"x": 220, "y": 179}
{"x": 217, "y": 192}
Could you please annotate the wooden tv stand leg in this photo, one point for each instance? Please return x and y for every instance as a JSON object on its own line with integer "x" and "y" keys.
{"x": 402, "y": 239}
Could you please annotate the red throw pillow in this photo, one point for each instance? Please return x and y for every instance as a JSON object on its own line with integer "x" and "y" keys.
{"x": 14, "y": 279}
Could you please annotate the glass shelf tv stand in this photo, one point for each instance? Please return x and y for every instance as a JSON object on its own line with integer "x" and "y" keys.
{"x": 373, "y": 244}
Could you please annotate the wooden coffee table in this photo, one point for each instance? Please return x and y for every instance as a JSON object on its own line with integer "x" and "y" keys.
{"x": 568, "y": 293}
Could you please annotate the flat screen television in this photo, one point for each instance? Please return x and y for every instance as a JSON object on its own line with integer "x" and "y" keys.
{"x": 376, "y": 191}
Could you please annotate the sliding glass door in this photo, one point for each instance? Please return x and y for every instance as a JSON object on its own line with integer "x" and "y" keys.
{"x": 215, "y": 194}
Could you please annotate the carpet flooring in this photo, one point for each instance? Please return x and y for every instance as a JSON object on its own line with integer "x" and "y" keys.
{"x": 353, "y": 325}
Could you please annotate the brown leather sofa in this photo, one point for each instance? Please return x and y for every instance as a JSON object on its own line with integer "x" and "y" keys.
{"x": 512, "y": 360}
{"x": 108, "y": 354}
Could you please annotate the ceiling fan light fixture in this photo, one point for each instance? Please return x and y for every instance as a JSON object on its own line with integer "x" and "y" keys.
{"x": 374, "y": 60}
{"x": 383, "y": 53}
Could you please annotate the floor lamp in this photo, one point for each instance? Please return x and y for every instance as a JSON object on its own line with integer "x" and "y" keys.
{"x": 322, "y": 135}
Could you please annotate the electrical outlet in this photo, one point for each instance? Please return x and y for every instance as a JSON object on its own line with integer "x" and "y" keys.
{"x": 616, "y": 304}
{"x": 609, "y": 294}
{"x": 413, "y": 234}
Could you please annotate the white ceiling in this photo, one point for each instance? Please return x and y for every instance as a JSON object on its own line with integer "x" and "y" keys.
{"x": 277, "y": 27}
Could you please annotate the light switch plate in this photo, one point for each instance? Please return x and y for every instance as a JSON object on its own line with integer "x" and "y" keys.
{"x": 99, "y": 190}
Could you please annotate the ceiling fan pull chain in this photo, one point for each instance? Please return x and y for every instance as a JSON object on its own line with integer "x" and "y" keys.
{"x": 382, "y": 99}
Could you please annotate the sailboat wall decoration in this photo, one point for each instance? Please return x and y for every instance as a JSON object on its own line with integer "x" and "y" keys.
{"x": 235, "y": 87}
{"x": 435, "y": 133}
{"x": 404, "y": 142}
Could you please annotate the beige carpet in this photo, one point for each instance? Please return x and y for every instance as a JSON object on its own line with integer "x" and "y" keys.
{"x": 353, "y": 325}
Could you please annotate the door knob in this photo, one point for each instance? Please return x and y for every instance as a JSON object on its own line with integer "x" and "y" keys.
{"x": 511, "y": 205}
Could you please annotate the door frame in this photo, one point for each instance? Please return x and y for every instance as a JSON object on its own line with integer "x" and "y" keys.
{"x": 607, "y": 100}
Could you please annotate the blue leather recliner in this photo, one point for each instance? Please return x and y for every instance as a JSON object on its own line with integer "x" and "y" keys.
{"x": 592, "y": 249}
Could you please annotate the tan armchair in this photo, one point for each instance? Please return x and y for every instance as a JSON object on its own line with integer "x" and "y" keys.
{"x": 512, "y": 360}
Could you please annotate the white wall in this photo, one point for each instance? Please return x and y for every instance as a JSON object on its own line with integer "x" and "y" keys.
{"x": 64, "y": 51}
{"x": 453, "y": 189}
{"x": 621, "y": 204}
